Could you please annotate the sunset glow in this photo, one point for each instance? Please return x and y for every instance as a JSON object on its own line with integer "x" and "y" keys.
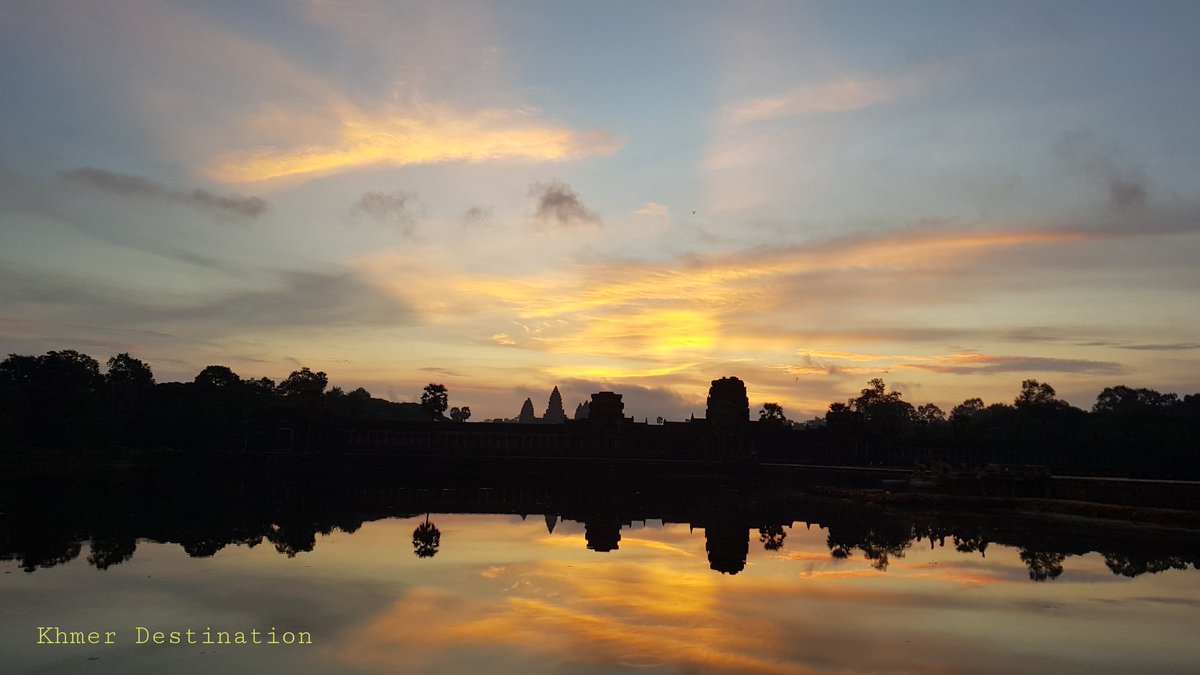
{"x": 613, "y": 197}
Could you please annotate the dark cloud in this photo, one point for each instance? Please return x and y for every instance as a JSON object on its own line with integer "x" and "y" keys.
{"x": 1022, "y": 364}
{"x": 1164, "y": 347}
{"x": 125, "y": 185}
{"x": 641, "y": 403}
{"x": 300, "y": 299}
{"x": 1125, "y": 194}
{"x": 1128, "y": 188}
{"x": 390, "y": 208}
{"x": 477, "y": 216}
{"x": 559, "y": 204}
{"x": 441, "y": 371}
{"x": 305, "y": 299}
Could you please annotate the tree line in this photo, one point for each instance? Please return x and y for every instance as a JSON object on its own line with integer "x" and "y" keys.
{"x": 1127, "y": 431}
{"x": 62, "y": 399}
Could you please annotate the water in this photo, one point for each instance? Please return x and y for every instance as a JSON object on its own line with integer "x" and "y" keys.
{"x": 848, "y": 589}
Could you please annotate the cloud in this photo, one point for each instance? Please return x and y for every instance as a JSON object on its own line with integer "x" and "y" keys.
{"x": 837, "y": 96}
{"x": 441, "y": 371}
{"x": 125, "y": 185}
{"x": 1163, "y": 347}
{"x": 557, "y": 203}
{"x": 293, "y": 299}
{"x": 834, "y": 363}
{"x": 641, "y": 402}
{"x": 389, "y": 209}
{"x": 969, "y": 364}
{"x": 415, "y": 134}
{"x": 1126, "y": 194}
{"x": 477, "y": 216}
{"x": 1127, "y": 187}
{"x": 654, "y": 210}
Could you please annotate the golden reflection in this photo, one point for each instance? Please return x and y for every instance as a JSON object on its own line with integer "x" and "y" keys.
{"x": 597, "y": 613}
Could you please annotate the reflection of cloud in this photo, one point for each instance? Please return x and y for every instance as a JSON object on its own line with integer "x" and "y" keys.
{"x": 141, "y": 188}
{"x": 600, "y": 614}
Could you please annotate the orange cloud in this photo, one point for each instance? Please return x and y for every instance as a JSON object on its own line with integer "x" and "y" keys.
{"x": 423, "y": 135}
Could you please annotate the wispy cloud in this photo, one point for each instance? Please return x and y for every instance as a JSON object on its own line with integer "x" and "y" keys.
{"x": 416, "y": 134}
{"x": 136, "y": 187}
{"x": 836, "y": 96}
{"x": 967, "y": 364}
{"x": 654, "y": 210}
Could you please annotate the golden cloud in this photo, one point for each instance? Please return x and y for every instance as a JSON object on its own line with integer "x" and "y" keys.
{"x": 425, "y": 134}
{"x": 621, "y": 321}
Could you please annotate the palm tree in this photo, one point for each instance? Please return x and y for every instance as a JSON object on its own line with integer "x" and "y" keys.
{"x": 426, "y": 539}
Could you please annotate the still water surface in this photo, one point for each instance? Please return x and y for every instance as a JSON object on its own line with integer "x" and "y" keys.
{"x": 503, "y": 593}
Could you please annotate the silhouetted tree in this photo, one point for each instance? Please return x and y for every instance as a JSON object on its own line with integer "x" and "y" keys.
{"x": 460, "y": 414}
{"x": 772, "y": 412}
{"x": 1122, "y": 399}
{"x": 129, "y": 385}
{"x": 929, "y": 414}
{"x": 435, "y": 399}
{"x": 426, "y": 539}
{"x": 1036, "y": 394}
{"x": 217, "y": 377}
{"x": 126, "y": 372}
{"x": 966, "y": 411}
{"x": 303, "y": 385}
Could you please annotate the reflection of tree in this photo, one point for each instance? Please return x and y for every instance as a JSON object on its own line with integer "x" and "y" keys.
{"x": 771, "y": 537}
{"x": 109, "y": 551}
{"x": 972, "y": 543}
{"x": 1043, "y": 565}
{"x": 1133, "y": 565}
{"x": 426, "y": 539}
{"x": 880, "y": 541}
{"x": 292, "y": 538}
{"x": 48, "y": 554}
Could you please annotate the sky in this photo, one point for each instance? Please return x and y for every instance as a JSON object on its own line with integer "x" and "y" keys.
{"x": 636, "y": 197}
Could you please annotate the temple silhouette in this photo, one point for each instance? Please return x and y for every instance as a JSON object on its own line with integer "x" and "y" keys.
{"x": 599, "y": 431}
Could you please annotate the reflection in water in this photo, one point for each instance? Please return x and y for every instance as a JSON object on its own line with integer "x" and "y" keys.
{"x": 516, "y": 595}
{"x": 426, "y": 539}
{"x": 45, "y": 528}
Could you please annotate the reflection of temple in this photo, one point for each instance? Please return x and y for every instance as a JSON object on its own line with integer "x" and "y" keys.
{"x": 727, "y": 541}
{"x": 602, "y": 535}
